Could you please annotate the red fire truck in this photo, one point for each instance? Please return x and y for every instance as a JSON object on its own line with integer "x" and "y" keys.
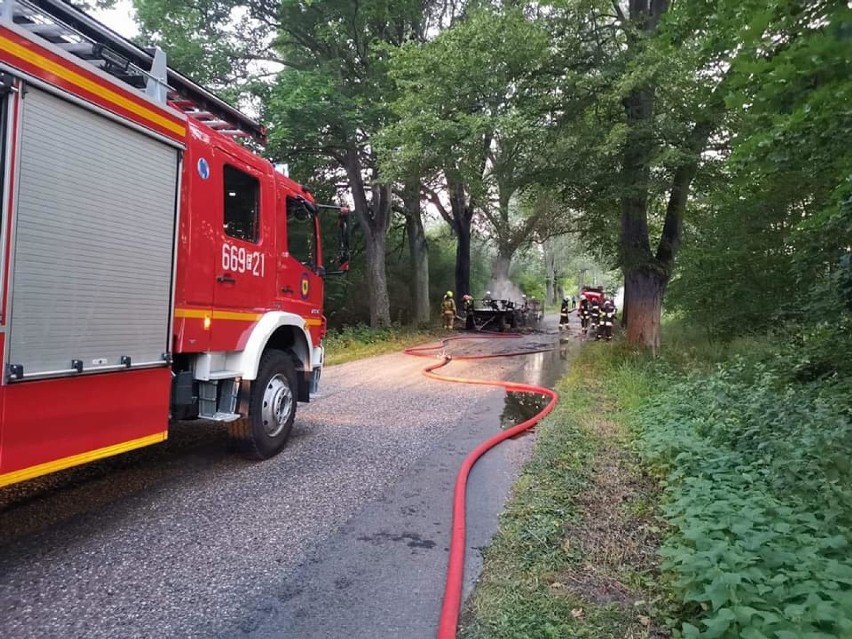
{"x": 153, "y": 268}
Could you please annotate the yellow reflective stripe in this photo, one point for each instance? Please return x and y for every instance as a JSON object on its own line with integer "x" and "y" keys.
{"x": 82, "y": 458}
{"x": 233, "y": 315}
{"x": 192, "y": 313}
{"x": 89, "y": 85}
{"x": 199, "y": 313}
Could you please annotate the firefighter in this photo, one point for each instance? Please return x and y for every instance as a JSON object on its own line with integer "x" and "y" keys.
{"x": 584, "y": 313}
{"x": 448, "y": 310}
{"x": 563, "y": 314}
{"x": 490, "y": 302}
{"x": 607, "y": 318}
{"x": 595, "y": 317}
{"x": 467, "y": 305}
{"x": 524, "y": 311}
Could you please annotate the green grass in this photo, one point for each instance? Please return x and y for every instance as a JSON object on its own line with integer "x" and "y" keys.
{"x": 548, "y": 570}
{"x": 358, "y": 342}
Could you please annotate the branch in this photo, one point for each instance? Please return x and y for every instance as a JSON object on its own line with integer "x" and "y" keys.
{"x": 491, "y": 218}
{"x": 618, "y": 12}
{"x": 684, "y": 174}
{"x": 434, "y": 199}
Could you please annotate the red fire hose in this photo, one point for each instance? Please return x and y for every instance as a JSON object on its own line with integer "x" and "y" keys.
{"x": 455, "y": 568}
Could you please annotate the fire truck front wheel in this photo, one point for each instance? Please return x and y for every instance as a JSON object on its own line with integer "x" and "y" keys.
{"x": 272, "y": 408}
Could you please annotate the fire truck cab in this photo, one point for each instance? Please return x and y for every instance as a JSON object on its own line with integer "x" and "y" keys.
{"x": 153, "y": 268}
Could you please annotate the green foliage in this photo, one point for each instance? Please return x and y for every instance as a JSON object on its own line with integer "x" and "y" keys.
{"x": 442, "y": 248}
{"x": 335, "y": 92}
{"x": 530, "y": 283}
{"x": 468, "y": 112}
{"x": 345, "y": 305}
{"x": 771, "y": 238}
{"x": 455, "y": 91}
{"x": 360, "y": 340}
{"x": 215, "y": 42}
{"x": 524, "y": 105}
{"x": 758, "y": 484}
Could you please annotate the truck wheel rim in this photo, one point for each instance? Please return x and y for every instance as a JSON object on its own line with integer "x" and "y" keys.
{"x": 277, "y": 404}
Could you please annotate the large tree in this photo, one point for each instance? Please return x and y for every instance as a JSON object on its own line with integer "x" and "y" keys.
{"x": 466, "y": 116}
{"x": 328, "y": 101}
{"x": 333, "y": 97}
{"x": 652, "y": 76}
{"x": 774, "y": 228}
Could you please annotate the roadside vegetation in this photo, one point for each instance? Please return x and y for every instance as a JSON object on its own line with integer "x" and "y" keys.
{"x": 360, "y": 341}
{"x": 700, "y": 487}
{"x": 705, "y": 493}
{"x": 576, "y": 551}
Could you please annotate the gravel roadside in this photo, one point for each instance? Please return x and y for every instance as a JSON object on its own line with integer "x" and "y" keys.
{"x": 184, "y": 540}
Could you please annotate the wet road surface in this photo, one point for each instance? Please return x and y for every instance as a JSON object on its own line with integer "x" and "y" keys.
{"x": 344, "y": 534}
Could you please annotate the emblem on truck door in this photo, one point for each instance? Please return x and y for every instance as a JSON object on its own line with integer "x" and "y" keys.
{"x": 305, "y": 286}
{"x": 203, "y": 168}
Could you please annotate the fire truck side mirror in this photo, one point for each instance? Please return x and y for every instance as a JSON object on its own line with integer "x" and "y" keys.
{"x": 343, "y": 253}
{"x": 303, "y": 210}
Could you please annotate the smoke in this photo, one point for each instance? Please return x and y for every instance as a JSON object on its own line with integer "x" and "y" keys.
{"x": 503, "y": 289}
{"x": 619, "y": 298}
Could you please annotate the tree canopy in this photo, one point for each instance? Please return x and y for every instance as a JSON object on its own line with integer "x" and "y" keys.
{"x": 702, "y": 148}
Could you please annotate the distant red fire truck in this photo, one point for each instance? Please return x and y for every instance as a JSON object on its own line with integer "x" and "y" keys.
{"x": 153, "y": 268}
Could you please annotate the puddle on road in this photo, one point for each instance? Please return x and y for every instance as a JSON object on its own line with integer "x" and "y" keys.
{"x": 519, "y": 407}
{"x": 545, "y": 369}
{"x": 540, "y": 369}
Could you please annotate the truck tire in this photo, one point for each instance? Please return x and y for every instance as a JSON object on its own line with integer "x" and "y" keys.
{"x": 272, "y": 408}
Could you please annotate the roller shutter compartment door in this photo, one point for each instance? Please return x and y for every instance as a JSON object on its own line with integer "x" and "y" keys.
{"x": 94, "y": 237}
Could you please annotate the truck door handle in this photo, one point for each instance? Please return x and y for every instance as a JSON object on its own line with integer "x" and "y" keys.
{"x": 226, "y": 279}
{"x": 287, "y": 290}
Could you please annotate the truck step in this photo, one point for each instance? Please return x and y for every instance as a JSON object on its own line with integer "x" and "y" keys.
{"x": 216, "y": 375}
{"x": 223, "y": 417}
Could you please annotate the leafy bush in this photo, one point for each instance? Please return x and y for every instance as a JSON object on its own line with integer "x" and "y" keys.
{"x": 758, "y": 475}
{"x": 357, "y": 334}
{"x": 359, "y": 341}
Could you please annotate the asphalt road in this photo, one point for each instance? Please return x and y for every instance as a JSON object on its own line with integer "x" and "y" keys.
{"x": 344, "y": 534}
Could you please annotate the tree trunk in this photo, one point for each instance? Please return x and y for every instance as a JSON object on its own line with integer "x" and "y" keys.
{"x": 500, "y": 267}
{"x": 549, "y": 275}
{"x": 462, "y": 258}
{"x": 645, "y": 274}
{"x": 377, "y": 283}
{"x": 419, "y": 254}
{"x": 635, "y": 245}
{"x": 462, "y": 218}
{"x": 374, "y": 218}
{"x": 646, "y": 288}
{"x": 549, "y": 291}
{"x": 644, "y": 282}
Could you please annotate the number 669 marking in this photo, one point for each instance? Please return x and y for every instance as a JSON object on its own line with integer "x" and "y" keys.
{"x": 238, "y": 260}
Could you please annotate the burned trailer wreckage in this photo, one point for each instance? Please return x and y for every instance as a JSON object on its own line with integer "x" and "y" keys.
{"x": 498, "y": 315}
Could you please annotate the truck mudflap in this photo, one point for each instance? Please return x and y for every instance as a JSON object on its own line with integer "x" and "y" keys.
{"x": 308, "y": 382}
{"x": 315, "y": 380}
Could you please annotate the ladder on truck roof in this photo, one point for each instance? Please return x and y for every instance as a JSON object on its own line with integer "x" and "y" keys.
{"x": 70, "y": 29}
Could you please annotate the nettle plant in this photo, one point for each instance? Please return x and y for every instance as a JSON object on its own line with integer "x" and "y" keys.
{"x": 758, "y": 494}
